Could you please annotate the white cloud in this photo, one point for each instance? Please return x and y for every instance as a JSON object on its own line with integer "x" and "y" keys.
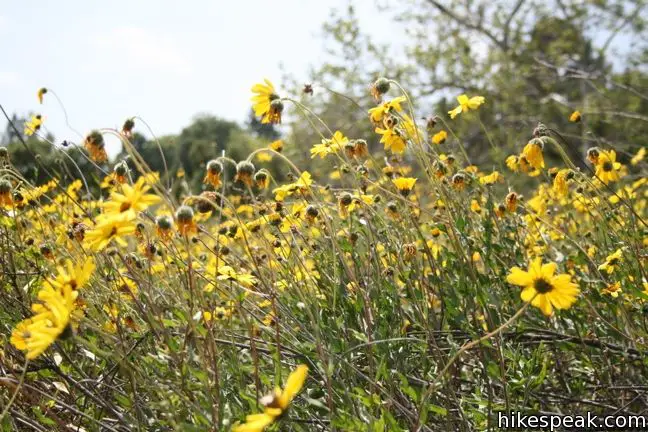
{"x": 140, "y": 49}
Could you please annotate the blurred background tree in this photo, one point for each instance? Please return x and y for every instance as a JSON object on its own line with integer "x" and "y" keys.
{"x": 532, "y": 60}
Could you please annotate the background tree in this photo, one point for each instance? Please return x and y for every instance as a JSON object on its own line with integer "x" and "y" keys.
{"x": 532, "y": 60}
{"x": 266, "y": 131}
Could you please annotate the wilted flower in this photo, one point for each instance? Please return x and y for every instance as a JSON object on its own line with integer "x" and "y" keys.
{"x": 185, "y": 221}
{"x": 244, "y": 172}
{"x": 95, "y": 145}
{"x": 379, "y": 88}
{"x": 214, "y": 171}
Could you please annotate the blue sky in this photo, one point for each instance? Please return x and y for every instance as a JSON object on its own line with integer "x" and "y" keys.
{"x": 165, "y": 60}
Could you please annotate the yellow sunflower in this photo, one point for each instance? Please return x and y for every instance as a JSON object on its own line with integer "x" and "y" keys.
{"x": 533, "y": 153}
{"x": 466, "y": 104}
{"x": 275, "y": 403}
{"x": 111, "y": 227}
{"x": 607, "y": 168}
{"x": 131, "y": 200}
{"x": 543, "y": 288}
{"x": 392, "y": 140}
{"x": 612, "y": 261}
{"x": 404, "y": 185}
{"x": 267, "y": 103}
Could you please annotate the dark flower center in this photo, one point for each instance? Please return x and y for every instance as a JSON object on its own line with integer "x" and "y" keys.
{"x": 607, "y": 166}
{"x": 542, "y": 286}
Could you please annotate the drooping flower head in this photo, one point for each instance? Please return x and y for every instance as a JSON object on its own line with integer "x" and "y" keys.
{"x": 214, "y": 171}
{"x": 120, "y": 171}
{"x": 244, "y": 172}
{"x": 532, "y": 153}
{"x": 164, "y": 227}
{"x": 127, "y": 127}
{"x": 311, "y": 214}
{"x": 41, "y": 92}
{"x": 379, "y": 88}
{"x": 185, "y": 221}
{"x": 560, "y": 185}
{"x": 5, "y": 193}
{"x": 459, "y": 181}
{"x": 95, "y": 145}
{"x": 511, "y": 201}
{"x": 593, "y": 155}
{"x": 344, "y": 202}
{"x": 262, "y": 178}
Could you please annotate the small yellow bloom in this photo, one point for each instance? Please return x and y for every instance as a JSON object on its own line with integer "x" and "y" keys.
{"x": 532, "y": 153}
{"x": 378, "y": 113}
{"x": 575, "y": 117}
{"x": 275, "y": 403}
{"x": 33, "y": 125}
{"x": 440, "y": 137}
{"x": 328, "y": 146}
{"x": 276, "y": 146}
{"x": 302, "y": 185}
{"x": 637, "y": 158}
{"x": 263, "y": 157}
{"x": 466, "y": 104}
{"x": 613, "y": 289}
{"x": 491, "y": 178}
{"x": 404, "y": 184}
{"x": 612, "y": 262}
{"x": 475, "y": 207}
{"x": 213, "y": 174}
{"x": 392, "y": 140}
{"x": 513, "y": 163}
